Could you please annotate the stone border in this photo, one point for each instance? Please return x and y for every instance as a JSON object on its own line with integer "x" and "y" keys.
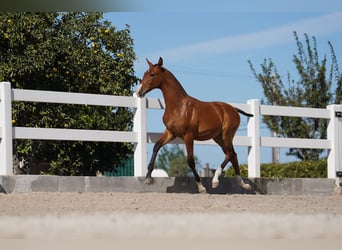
{"x": 47, "y": 183}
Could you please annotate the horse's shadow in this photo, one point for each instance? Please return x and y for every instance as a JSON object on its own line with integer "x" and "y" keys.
{"x": 227, "y": 186}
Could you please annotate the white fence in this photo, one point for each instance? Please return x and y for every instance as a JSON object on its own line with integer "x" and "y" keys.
{"x": 140, "y": 137}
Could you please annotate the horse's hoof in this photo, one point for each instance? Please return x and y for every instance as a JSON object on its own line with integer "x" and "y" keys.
{"x": 242, "y": 184}
{"x": 202, "y": 190}
{"x": 148, "y": 180}
{"x": 247, "y": 187}
{"x": 215, "y": 184}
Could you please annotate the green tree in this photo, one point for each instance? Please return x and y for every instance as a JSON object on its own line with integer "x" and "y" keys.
{"x": 312, "y": 89}
{"x": 166, "y": 154}
{"x": 174, "y": 161}
{"x": 72, "y": 52}
{"x": 179, "y": 167}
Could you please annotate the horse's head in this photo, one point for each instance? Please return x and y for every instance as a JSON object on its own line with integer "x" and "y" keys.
{"x": 152, "y": 78}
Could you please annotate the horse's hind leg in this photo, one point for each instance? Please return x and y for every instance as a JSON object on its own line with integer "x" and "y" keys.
{"x": 215, "y": 181}
{"x": 232, "y": 157}
{"x": 166, "y": 137}
{"x": 239, "y": 180}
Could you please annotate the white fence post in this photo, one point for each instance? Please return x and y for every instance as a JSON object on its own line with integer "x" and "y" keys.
{"x": 6, "y": 141}
{"x": 253, "y": 131}
{"x": 334, "y": 134}
{"x": 140, "y": 152}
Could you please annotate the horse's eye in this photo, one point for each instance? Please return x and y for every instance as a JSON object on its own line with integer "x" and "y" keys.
{"x": 152, "y": 74}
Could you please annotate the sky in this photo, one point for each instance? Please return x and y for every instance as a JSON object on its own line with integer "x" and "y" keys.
{"x": 207, "y": 45}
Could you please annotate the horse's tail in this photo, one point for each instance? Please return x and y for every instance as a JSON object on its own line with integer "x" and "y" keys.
{"x": 243, "y": 112}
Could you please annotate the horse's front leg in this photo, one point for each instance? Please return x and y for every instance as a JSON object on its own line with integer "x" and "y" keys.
{"x": 166, "y": 137}
{"x": 189, "y": 143}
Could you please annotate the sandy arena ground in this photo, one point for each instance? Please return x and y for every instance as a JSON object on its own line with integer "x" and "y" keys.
{"x": 170, "y": 220}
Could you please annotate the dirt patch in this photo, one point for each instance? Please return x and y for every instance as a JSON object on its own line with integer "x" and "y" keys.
{"x": 32, "y": 204}
{"x": 163, "y": 216}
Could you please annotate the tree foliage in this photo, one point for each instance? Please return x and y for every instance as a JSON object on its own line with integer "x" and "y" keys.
{"x": 72, "y": 52}
{"x": 173, "y": 160}
{"x": 316, "y": 78}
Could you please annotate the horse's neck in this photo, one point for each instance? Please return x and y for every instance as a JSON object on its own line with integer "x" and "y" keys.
{"x": 173, "y": 91}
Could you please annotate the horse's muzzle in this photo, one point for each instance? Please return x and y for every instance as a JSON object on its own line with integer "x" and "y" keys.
{"x": 139, "y": 92}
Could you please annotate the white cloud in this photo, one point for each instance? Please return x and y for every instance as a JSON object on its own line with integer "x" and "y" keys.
{"x": 323, "y": 25}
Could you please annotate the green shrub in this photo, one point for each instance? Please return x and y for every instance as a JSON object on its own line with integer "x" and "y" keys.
{"x": 300, "y": 169}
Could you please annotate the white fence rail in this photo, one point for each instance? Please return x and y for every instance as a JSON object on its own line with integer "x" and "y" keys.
{"x": 140, "y": 137}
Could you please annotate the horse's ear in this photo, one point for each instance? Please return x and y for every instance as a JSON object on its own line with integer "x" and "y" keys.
{"x": 160, "y": 62}
{"x": 149, "y": 63}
